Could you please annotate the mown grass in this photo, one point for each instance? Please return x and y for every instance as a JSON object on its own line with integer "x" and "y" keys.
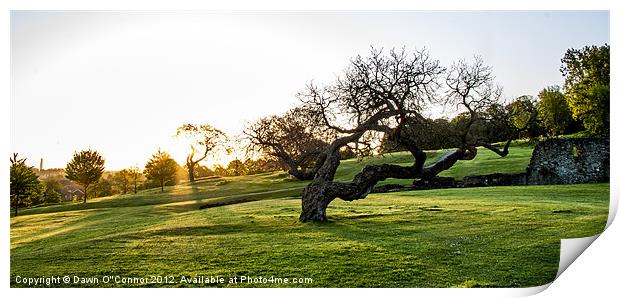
{"x": 474, "y": 237}
{"x": 497, "y": 236}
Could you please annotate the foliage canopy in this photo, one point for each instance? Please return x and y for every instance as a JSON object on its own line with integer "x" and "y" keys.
{"x": 161, "y": 168}
{"x": 85, "y": 168}
{"x": 25, "y": 184}
{"x": 586, "y": 72}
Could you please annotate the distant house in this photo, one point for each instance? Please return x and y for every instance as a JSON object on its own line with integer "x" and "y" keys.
{"x": 70, "y": 190}
{"x": 72, "y": 194}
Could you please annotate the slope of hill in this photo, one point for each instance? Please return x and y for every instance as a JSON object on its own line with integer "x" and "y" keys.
{"x": 281, "y": 185}
{"x": 474, "y": 237}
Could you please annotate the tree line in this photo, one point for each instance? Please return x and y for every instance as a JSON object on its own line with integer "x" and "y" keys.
{"x": 378, "y": 104}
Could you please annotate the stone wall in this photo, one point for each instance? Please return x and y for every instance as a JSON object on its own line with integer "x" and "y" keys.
{"x": 569, "y": 161}
{"x": 495, "y": 180}
{"x": 554, "y": 161}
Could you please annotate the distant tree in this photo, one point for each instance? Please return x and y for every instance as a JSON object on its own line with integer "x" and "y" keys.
{"x": 432, "y": 134}
{"x": 121, "y": 180}
{"x": 463, "y": 128}
{"x": 52, "y": 196}
{"x": 161, "y": 168}
{"x": 236, "y": 168}
{"x": 136, "y": 177}
{"x": 252, "y": 167}
{"x": 553, "y": 110}
{"x": 85, "y": 168}
{"x": 205, "y": 139}
{"x": 102, "y": 188}
{"x": 202, "y": 171}
{"x": 181, "y": 175}
{"x": 261, "y": 165}
{"x": 53, "y": 190}
{"x": 221, "y": 171}
{"x": 439, "y": 135}
{"x": 25, "y": 184}
{"x": 524, "y": 116}
{"x": 497, "y": 125}
{"x": 296, "y": 139}
{"x": 587, "y": 73}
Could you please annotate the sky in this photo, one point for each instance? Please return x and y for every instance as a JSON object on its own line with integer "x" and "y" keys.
{"x": 122, "y": 82}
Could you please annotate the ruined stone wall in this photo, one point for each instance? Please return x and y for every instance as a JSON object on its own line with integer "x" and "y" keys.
{"x": 495, "y": 180}
{"x": 554, "y": 161}
{"x": 568, "y": 161}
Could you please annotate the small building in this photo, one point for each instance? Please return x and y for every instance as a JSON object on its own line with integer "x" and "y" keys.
{"x": 74, "y": 194}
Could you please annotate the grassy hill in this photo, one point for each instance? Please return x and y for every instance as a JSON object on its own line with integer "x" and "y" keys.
{"x": 495, "y": 236}
{"x": 281, "y": 185}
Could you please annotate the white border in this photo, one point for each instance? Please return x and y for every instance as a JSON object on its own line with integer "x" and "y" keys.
{"x": 594, "y": 272}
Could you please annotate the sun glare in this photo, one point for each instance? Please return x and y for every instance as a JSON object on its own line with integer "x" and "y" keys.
{"x": 179, "y": 149}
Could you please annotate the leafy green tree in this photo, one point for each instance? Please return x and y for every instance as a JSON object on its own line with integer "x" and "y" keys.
{"x": 121, "y": 180}
{"x": 53, "y": 190}
{"x": 586, "y": 73}
{"x": 52, "y": 196}
{"x": 553, "y": 110}
{"x": 102, "y": 188}
{"x": 205, "y": 139}
{"x": 203, "y": 171}
{"x": 221, "y": 171}
{"x": 431, "y": 134}
{"x": 236, "y": 168}
{"x": 261, "y": 165}
{"x": 497, "y": 126}
{"x": 25, "y": 184}
{"x": 523, "y": 110}
{"x": 136, "y": 177}
{"x": 524, "y": 116}
{"x": 85, "y": 168}
{"x": 161, "y": 168}
{"x": 182, "y": 175}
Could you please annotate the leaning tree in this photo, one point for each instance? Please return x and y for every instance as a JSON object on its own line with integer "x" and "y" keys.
{"x": 204, "y": 140}
{"x": 296, "y": 140}
{"x": 384, "y": 93}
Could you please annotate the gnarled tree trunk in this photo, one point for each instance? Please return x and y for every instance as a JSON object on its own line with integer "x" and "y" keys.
{"x": 190, "y": 171}
{"x": 381, "y": 91}
{"x": 323, "y": 190}
{"x": 319, "y": 193}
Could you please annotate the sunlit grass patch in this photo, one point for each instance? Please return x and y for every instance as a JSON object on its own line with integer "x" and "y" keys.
{"x": 477, "y": 237}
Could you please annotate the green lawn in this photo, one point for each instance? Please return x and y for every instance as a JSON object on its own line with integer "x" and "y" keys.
{"x": 494, "y": 236}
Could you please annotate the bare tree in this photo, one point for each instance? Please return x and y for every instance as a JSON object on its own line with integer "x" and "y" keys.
{"x": 383, "y": 93}
{"x": 470, "y": 88}
{"x": 296, "y": 139}
{"x": 135, "y": 177}
{"x": 204, "y": 139}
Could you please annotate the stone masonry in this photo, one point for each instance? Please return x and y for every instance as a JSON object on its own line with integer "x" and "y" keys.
{"x": 569, "y": 161}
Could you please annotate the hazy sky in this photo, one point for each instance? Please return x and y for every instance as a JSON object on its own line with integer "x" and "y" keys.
{"x": 122, "y": 82}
